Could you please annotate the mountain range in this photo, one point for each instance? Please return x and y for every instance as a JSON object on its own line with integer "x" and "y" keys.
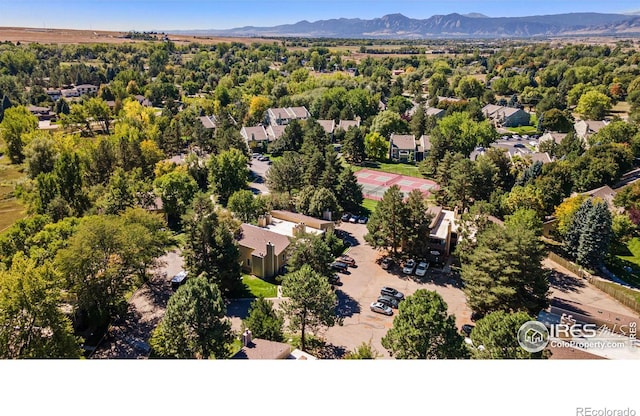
{"x": 473, "y": 25}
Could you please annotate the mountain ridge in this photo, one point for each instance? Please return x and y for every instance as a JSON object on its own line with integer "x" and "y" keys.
{"x": 453, "y": 25}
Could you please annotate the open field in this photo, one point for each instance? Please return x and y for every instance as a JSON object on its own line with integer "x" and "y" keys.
{"x": 11, "y": 209}
{"x": 70, "y": 36}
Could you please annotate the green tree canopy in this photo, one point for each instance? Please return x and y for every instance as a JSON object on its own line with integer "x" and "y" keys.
{"x": 497, "y": 333}
{"x": 194, "y": 325}
{"x": 310, "y": 304}
{"x": 423, "y": 329}
{"x": 263, "y": 321}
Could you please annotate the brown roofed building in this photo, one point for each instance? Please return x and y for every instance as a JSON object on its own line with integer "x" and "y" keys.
{"x": 402, "y": 147}
{"x": 256, "y": 137}
{"x": 328, "y": 125}
{"x": 347, "y": 124}
{"x": 274, "y": 132}
{"x": 262, "y": 252}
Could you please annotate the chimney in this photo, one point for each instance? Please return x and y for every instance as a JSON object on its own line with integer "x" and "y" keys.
{"x": 262, "y": 221}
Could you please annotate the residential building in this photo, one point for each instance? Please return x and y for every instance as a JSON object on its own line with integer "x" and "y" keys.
{"x": 423, "y": 147}
{"x": 402, "y": 147}
{"x": 502, "y": 116}
{"x": 435, "y": 112}
{"x": 256, "y": 137}
{"x": 42, "y": 113}
{"x": 443, "y": 230}
{"x": 262, "y": 349}
{"x": 274, "y": 132}
{"x": 209, "y": 122}
{"x": 329, "y": 126}
{"x": 84, "y": 89}
{"x": 283, "y": 116}
{"x": 552, "y": 135}
{"x": 346, "y": 124}
{"x": 587, "y": 128}
{"x": 311, "y": 224}
{"x": 54, "y": 94}
{"x": 262, "y": 252}
{"x": 606, "y": 194}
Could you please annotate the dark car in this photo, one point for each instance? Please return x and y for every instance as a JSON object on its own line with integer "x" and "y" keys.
{"x": 387, "y": 263}
{"x": 350, "y": 261}
{"x": 178, "y": 280}
{"x": 339, "y": 266}
{"x": 334, "y": 279}
{"x": 389, "y": 291}
{"x": 389, "y": 301}
{"x": 466, "y": 329}
{"x": 345, "y": 217}
{"x": 363, "y": 220}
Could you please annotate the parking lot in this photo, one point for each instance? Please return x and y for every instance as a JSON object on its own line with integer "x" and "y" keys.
{"x": 362, "y": 286}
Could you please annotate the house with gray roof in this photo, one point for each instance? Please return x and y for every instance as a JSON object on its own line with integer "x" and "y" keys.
{"x": 502, "y": 116}
{"x": 256, "y": 137}
{"x": 402, "y": 147}
{"x": 283, "y": 116}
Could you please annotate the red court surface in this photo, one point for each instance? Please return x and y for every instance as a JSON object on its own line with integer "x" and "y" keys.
{"x": 375, "y": 183}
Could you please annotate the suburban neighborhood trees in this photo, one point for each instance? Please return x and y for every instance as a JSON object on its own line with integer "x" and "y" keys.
{"x": 228, "y": 173}
{"x": 210, "y": 247}
{"x": 496, "y": 337}
{"x": 504, "y": 271}
{"x": 386, "y": 225}
{"x": 17, "y": 121}
{"x": 423, "y": 329}
{"x": 310, "y": 304}
{"x": 263, "y": 321}
{"x": 194, "y": 325}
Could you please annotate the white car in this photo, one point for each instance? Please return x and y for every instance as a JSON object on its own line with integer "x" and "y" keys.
{"x": 380, "y": 308}
{"x": 422, "y": 268}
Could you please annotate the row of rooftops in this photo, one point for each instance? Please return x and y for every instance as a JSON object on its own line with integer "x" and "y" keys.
{"x": 272, "y": 132}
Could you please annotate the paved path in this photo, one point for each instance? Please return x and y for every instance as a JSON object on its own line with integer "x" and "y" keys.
{"x": 129, "y": 338}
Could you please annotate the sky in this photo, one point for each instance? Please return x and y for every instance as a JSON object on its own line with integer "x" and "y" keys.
{"x": 149, "y": 15}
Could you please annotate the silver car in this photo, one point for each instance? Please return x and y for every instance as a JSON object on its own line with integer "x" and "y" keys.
{"x": 380, "y": 308}
{"x": 409, "y": 266}
{"x": 421, "y": 270}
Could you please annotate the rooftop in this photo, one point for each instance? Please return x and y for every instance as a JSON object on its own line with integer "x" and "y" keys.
{"x": 257, "y": 239}
{"x": 403, "y": 141}
{"x": 262, "y": 349}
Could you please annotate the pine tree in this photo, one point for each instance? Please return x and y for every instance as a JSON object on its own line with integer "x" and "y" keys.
{"x": 595, "y": 236}
{"x": 349, "y": 191}
{"x": 386, "y": 225}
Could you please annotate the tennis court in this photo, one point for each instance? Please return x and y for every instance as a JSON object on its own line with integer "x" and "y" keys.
{"x": 375, "y": 183}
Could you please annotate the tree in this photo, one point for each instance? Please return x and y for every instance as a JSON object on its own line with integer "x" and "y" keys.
{"x": 349, "y": 191}
{"x": 67, "y": 176}
{"x": 525, "y": 218}
{"x": 291, "y": 139}
{"x": 312, "y": 251}
{"x": 363, "y": 351}
{"x": 459, "y": 132}
{"x": 589, "y": 233}
{"x": 176, "y": 189}
{"x": 120, "y": 193}
{"x": 17, "y": 122}
{"x": 523, "y": 197}
{"x": 285, "y": 175}
{"x": 388, "y": 122}
{"x": 210, "y": 247}
{"x": 504, "y": 271}
{"x": 323, "y": 200}
{"x": 228, "y": 173}
{"x": 555, "y": 120}
{"x": 263, "y": 321}
{"x": 310, "y": 304}
{"x": 423, "y": 329}
{"x": 398, "y": 104}
{"x": 32, "y": 324}
{"x": 418, "y": 123}
{"x": 386, "y": 225}
{"x": 98, "y": 110}
{"x": 416, "y": 225}
{"x": 245, "y": 206}
{"x": 194, "y": 325}
{"x": 462, "y": 184}
{"x": 375, "y": 146}
{"x": 497, "y": 333}
{"x": 469, "y": 87}
{"x": 565, "y": 211}
{"x": 593, "y": 105}
{"x": 40, "y": 154}
{"x": 353, "y": 148}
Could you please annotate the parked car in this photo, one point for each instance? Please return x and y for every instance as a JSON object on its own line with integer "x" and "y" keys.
{"x": 363, "y": 220}
{"x": 389, "y": 291}
{"x": 334, "y": 279}
{"x": 179, "y": 279}
{"x": 339, "y": 266}
{"x": 422, "y": 268}
{"x": 354, "y": 219}
{"x": 409, "y": 266}
{"x": 389, "y": 301}
{"x": 350, "y": 261}
{"x": 466, "y": 329}
{"x": 255, "y": 155}
{"x": 387, "y": 263}
{"x": 345, "y": 217}
{"x": 380, "y": 308}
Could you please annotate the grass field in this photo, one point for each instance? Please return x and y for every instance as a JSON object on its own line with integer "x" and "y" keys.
{"x": 627, "y": 257}
{"x": 11, "y": 209}
{"x": 254, "y": 287}
{"x": 397, "y": 168}
{"x": 369, "y": 205}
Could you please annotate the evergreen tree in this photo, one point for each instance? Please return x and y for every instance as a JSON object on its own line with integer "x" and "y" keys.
{"x": 353, "y": 145}
{"x": 423, "y": 329}
{"x": 349, "y": 191}
{"x": 386, "y": 225}
{"x": 595, "y": 236}
{"x": 263, "y": 321}
{"x": 418, "y": 123}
